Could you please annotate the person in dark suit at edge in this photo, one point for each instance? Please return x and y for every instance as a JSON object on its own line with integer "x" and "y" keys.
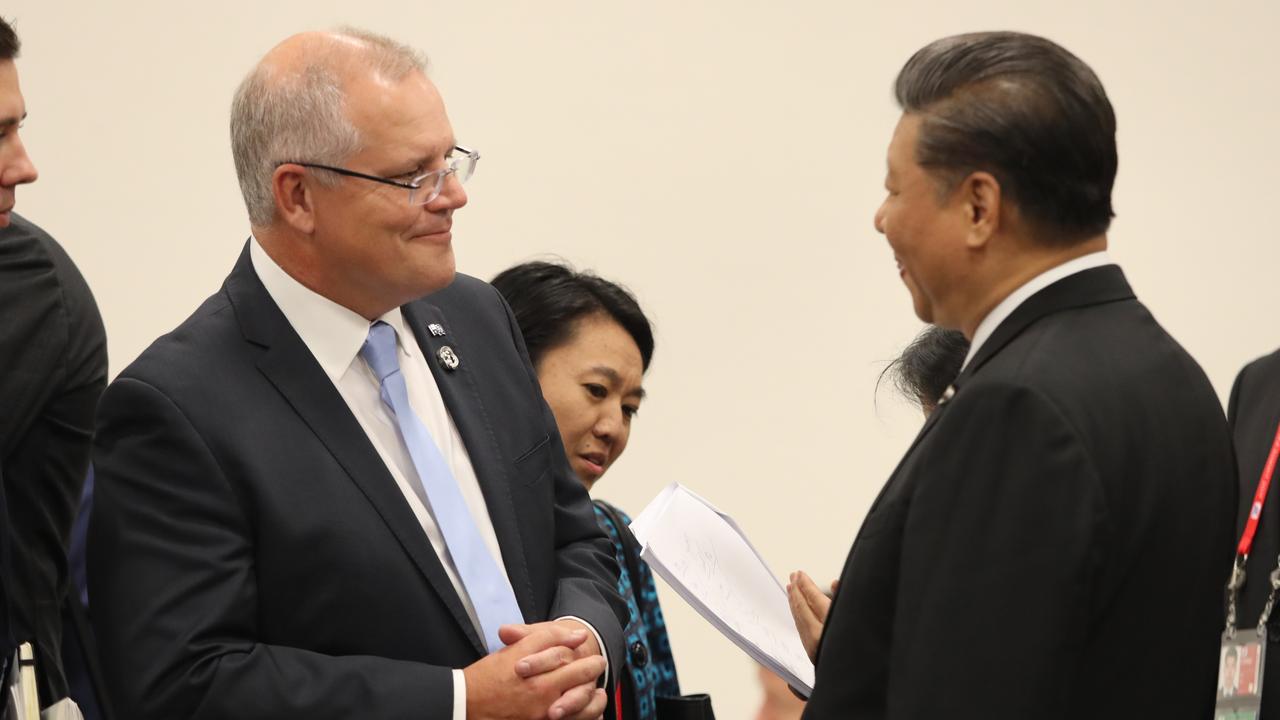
{"x": 1253, "y": 412}
{"x": 53, "y": 368}
{"x": 325, "y": 495}
{"x": 1017, "y": 563}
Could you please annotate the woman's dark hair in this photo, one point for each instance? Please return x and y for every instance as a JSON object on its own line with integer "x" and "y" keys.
{"x": 929, "y": 364}
{"x": 9, "y": 42}
{"x": 1024, "y": 109}
{"x": 548, "y": 298}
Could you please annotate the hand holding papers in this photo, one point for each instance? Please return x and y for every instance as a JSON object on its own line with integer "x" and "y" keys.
{"x": 703, "y": 554}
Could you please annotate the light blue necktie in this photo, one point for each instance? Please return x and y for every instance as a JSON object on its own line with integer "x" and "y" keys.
{"x": 484, "y": 581}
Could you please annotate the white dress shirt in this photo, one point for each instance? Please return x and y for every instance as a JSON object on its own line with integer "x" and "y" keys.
{"x": 334, "y": 335}
{"x": 1011, "y": 302}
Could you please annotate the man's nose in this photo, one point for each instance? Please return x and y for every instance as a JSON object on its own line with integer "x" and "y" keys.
{"x": 452, "y": 195}
{"x": 19, "y": 170}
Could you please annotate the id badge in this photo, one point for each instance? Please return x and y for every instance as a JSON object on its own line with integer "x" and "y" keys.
{"x": 1240, "y": 676}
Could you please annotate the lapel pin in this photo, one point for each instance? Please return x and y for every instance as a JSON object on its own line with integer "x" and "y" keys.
{"x": 448, "y": 358}
{"x": 436, "y": 329}
{"x": 947, "y": 394}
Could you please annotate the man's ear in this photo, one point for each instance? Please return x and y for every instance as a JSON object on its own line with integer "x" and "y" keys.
{"x": 294, "y": 201}
{"x": 981, "y": 200}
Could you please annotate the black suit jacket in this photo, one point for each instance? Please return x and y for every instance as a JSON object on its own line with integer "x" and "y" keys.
{"x": 53, "y": 368}
{"x": 250, "y": 555}
{"x": 1055, "y": 542}
{"x": 1254, "y": 413}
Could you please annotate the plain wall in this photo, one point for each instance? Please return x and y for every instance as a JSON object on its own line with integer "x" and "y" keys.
{"x": 724, "y": 160}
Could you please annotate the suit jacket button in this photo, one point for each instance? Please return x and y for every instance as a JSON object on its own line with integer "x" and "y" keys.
{"x": 639, "y": 654}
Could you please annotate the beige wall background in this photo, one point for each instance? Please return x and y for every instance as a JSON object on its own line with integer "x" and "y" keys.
{"x": 723, "y": 158}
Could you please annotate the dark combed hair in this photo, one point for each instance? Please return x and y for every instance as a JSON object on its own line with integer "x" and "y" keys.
{"x": 929, "y": 364}
{"x": 548, "y": 298}
{"x": 9, "y": 42}
{"x": 1025, "y": 110}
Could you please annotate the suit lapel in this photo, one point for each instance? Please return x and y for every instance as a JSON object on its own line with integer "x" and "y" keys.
{"x": 1089, "y": 287}
{"x": 462, "y": 398}
{"x": 893, "y": 476}
{"x": 290, "y": 367}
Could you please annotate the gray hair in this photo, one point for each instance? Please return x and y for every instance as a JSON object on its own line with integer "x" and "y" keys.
{"x": 281, "y": 115}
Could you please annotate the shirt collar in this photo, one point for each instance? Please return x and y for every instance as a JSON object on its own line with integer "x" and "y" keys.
{"x": 1011, "y": 302}
{"x": 334, "y": 334}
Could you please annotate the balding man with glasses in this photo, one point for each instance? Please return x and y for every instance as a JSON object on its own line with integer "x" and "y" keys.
{"x": 335, "y": 491}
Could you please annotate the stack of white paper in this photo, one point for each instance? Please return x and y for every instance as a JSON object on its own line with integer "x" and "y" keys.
{"x": 23, "y": 702}
{"x": 706, "y": 558}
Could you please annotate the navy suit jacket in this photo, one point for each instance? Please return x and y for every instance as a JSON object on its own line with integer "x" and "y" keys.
{"x": 250, "y": 555}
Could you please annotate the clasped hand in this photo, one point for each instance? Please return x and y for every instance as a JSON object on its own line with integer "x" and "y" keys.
{"x": 548, "y": 671}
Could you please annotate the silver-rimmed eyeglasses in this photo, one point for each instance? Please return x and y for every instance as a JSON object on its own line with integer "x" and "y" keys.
{"x": 461, "y": 163}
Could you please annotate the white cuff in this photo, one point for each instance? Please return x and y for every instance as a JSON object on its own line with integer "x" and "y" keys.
{"x": 459, "y": 695}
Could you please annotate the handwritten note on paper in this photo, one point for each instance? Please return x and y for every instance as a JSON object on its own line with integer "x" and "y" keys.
{"x": 705, "y": 557}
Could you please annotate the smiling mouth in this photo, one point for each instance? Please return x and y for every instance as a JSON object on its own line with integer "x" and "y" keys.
{"x": 436, "y": 233}
{"x": 595, "y": 459}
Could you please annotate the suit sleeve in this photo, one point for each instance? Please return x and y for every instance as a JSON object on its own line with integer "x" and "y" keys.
{"x": 56, "y": 355}
{"x": 999, "y": 545}
{"x": 587, "y": 574}
{"x": 172, "y": 578}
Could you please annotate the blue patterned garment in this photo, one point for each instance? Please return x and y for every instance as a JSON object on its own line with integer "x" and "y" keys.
{"x": 649, "y": 661}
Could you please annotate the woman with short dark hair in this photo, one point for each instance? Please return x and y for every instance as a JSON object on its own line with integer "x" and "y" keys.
{"x": 591, "y": 344}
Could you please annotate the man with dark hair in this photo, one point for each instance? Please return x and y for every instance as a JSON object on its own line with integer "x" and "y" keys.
{"x": 53, "y": 357}
{"x": 1077, "y": 466}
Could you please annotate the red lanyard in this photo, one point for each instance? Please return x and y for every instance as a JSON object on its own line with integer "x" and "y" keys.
{"x": 1259, "y": 497}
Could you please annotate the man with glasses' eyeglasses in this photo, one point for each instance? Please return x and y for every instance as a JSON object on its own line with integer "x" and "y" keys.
{"x": 335, "y": 490}
{"x": 424, "y": 187}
